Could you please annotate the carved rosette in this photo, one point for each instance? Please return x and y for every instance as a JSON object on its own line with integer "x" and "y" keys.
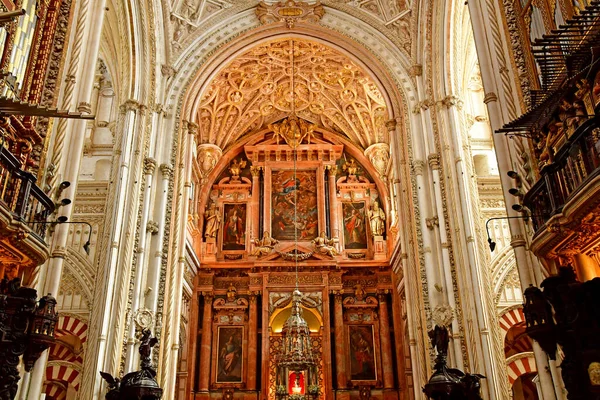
{"x": 208, "y": 156}
{"x": 379, "y": 155}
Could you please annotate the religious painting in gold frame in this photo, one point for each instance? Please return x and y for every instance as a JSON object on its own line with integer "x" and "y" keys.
{"x": 287, "y": 193}
{"x": 234, "y": 226}
{"x": 230, "y": 354}
{"x": 355, "y": 231}
{"x": 361, "y": 355}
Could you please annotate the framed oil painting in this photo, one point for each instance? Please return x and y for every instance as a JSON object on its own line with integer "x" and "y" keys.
{"x": 229, "y": 354}
{"x": 362, "y": 353}
{"x": 288, "y": 192}
{"x": 234, "y": 227}
{"x": 355, "y": 233}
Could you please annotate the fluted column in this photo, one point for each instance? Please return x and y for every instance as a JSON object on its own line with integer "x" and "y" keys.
{"x": 333, "y": 215}
{"x": 252, "y": 344}
{"x": 340, "y": 348}
{"x": 206, "y": 343}
{"x": 386, "y": 346}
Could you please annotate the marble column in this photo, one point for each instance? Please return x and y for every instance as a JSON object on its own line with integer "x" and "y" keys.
{"x": 206, "y": 344}
{"x": 254, "y": 202}
{"x": 333, "y": 212}
{"x": 386, "y": 346}
{"x": 340, "y": 348}
{"x": 252, "y": 343}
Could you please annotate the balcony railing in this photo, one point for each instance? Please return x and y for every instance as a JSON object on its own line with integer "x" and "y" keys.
{"x": 575, "y": 164}
{"x": 21, "y": 196}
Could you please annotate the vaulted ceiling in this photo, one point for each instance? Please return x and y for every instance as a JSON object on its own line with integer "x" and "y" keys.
{"x": 255, "y": 89}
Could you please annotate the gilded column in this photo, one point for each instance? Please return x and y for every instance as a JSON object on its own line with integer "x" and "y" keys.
{"x": 252, "y": 344}
{"x": 254, "y": 205}
{"x": 386, "y": 347}
{"x": 206, "y": 343}
{"x": 340, "y": 348}
{"x": 333, "y": 215}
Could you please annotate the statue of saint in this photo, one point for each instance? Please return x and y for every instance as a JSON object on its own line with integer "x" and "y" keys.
{"x": 265, "y": 245}
{"x": 377, "y": 220}
{"x": 325, "y": 245}
{"x": 213, "y": 220}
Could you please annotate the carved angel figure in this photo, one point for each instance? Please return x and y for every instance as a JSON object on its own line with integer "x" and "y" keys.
{"x": 265, "y": 245}
{"x": 324, "y": 245}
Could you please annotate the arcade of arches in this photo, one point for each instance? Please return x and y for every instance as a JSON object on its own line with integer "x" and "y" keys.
{"x": 242, "y": 149}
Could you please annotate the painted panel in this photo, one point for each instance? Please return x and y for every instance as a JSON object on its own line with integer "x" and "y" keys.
{"x": 230, "y": 358}
{"x": 288, "y": 192}
{"x": 234, "y": 228}
{"x": 355, "y": 233}
{"x": 362, "y": 353}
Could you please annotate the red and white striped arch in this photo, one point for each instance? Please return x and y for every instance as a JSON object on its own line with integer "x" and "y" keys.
{"x": 520, "y": 364}
{"x": 63, "y": 373}
{"x": 511, "y": 318}
{"x": 69, "y": 325}
{"x": 59, "y": 352}
{"x": 55, "y": 391}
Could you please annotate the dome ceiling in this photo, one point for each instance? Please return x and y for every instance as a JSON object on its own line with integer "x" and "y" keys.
{"x": 256, "y": 89}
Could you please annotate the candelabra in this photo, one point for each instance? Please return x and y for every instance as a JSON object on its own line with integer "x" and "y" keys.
{"x": 26, "y": 329}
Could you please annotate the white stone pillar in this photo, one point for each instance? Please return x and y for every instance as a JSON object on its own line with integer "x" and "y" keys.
{"x": 131, "y": 357}
{"x": 171, "y": 367}
{"x": 73, "y": 155}
{"x": 440, "y": 227}
{"x": 491, "y": 73}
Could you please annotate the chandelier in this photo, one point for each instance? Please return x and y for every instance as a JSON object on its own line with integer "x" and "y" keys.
{"x": 296, "y": 363}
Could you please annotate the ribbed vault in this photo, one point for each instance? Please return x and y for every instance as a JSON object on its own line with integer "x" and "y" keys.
{"x": 255, "y": 89}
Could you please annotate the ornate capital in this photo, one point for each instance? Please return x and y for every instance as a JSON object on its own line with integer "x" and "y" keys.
{"x": 84, "y": 107}
{"x": 131, "y": 105}
{"x": 255, "y": 170}
{"x": 418, "y": 166}
{"x": 489, "y": 97}
{"x": 451, "y": 100}
{"x": 149, "y": 166}
{"x": 434, "y": 160}
{"x": 166, "y": 170}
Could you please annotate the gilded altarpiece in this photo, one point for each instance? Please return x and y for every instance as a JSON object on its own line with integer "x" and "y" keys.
{"x": 275, "y": 207}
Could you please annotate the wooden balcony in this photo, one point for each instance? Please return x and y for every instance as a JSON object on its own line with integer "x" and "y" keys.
{"x": 24, "y": 208}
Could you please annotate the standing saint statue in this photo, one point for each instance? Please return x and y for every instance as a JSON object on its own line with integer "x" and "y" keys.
{"x": 377, "y": 219}
{"x": 213, "y": 220}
